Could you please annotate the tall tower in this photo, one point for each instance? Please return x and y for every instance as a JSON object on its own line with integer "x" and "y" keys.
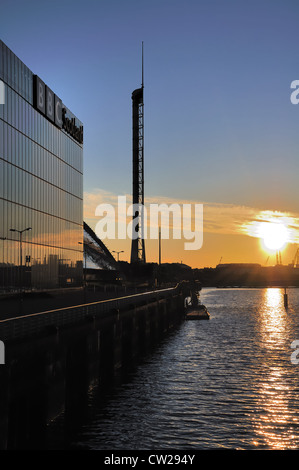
{"x": 138, "y": 249}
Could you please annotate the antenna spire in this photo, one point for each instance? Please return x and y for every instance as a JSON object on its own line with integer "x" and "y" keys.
{"x": 142, "y": 66}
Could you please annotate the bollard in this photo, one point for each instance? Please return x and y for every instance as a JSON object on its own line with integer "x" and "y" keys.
{"x": 285, "y": 298}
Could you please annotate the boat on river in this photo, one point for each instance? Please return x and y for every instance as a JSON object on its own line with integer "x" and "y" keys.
{"x": 195, "y": 310}
{"x": 198, "y": 312}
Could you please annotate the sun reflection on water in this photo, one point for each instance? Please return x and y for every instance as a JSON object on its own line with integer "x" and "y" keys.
{"x": 274, "y": 421}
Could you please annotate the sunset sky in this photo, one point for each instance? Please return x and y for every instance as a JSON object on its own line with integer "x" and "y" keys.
{"x": 220, "y": 128}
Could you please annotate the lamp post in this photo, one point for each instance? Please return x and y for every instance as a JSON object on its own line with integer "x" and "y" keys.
{"x": 20, "y": 232}
{"x": 3, "y": 238}
{"x": 118, "y": 254}
{"x": 84, "y": 270}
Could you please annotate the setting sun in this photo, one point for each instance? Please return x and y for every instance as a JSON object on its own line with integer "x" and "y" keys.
{"x": 275, "y": 230}
{"x": 274, "y": 235}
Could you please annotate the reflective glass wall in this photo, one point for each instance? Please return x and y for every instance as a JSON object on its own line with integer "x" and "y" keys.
{"x": 41, "y": 190}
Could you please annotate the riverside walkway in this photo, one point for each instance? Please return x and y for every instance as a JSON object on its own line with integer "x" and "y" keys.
{"x": 12, "y": 305}
{"x": 16, "y": 326}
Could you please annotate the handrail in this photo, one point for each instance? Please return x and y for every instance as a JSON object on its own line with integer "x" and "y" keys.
{"x": 25, "y": 325}
{"x": 86, "y": 305}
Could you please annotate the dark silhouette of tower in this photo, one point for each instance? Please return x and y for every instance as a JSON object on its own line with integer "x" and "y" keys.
{"x": 138, "y": 249}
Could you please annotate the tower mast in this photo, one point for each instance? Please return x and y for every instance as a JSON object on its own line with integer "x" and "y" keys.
{"x": 138, "y": 248}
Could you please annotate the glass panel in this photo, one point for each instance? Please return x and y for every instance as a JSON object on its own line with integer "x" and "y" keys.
{"x": 41, "y": 187}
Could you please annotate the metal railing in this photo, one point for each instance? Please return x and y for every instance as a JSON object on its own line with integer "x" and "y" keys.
{"x": 32, "y": 324}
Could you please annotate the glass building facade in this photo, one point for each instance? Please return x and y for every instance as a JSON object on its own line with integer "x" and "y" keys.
{"x": 41, "y": 185}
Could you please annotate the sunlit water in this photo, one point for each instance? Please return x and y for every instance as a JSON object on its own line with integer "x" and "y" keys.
{"x": 224, "y": 383}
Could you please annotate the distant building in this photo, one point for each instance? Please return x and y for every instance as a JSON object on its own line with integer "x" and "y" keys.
{"x": 250, "y": 274}
{"x": 243, "y": 266}
{"x": 41, "y": 183}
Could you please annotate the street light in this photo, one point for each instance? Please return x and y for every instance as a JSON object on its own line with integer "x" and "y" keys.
{"x": 118, "y": 253}
{"x": 85, "y": 243}
{"x": 84, "y": 270}
{"x": 20, "y": 232}
{"x": 3, "y": 238}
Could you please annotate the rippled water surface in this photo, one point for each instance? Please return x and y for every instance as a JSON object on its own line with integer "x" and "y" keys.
{"x": 224, "y": 383}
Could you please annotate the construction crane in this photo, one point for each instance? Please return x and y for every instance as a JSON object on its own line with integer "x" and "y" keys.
{"x": 295, "y": 261}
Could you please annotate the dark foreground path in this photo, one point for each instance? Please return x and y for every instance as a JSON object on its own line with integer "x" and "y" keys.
{"x": 12, "y": 306}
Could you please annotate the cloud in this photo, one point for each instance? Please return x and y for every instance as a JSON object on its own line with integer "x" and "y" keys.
{"x": 218, "y": 218}
{"x": 96, "y": 197}
{"x": 289, "y": 220}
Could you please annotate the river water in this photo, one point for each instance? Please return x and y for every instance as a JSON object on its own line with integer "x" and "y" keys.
{"x": 228, "y": 383}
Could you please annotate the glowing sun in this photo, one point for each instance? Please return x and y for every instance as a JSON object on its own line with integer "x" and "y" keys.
{"x": 274, "y": 235}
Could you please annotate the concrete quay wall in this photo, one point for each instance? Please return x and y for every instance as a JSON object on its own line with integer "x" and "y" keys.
{"x": 50, "y": 372}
